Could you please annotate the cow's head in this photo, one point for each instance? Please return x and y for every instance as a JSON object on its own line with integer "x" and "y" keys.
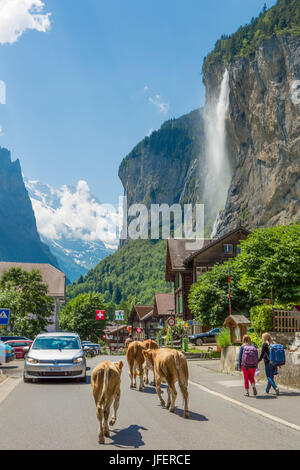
{"x": 148, "y": 355}
{"x": 119, "y": 365}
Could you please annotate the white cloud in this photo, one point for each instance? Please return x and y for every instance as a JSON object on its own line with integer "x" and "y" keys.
{"x": 16, "y": 16}
{"x": 73, "y": 213}
{"x": 157, "y": 101}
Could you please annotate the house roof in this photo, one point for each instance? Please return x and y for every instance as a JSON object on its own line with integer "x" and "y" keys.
{"x": 162, "y": 304}
{"x": 178, "y": 250}
{"x": 141, "y": 311}
{"x": 114, "y": 329}
{"x": 238, "y": 320}
{"x": 55, "y": 279}
{"x": 213, "y": 242}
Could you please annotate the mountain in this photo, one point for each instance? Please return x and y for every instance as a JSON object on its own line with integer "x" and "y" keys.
{"x": 68, "y": 221}
{"x": 19, "y": 238}
{"x": 137, "y": 269}
{"x": 169, "y": 166}
{"x": 263, "y": 120}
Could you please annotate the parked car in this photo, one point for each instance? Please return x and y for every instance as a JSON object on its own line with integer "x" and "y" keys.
{"x": 18, "y": 346}
{"x": 207, "y": 337}
{"x": 54, "y": 355}
{"x": 7, "y": 353}
{"x": 94, "y": 346}
{"x": 11, "y": 338}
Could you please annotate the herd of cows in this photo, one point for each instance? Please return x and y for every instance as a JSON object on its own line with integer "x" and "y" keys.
{"x": 168, "y": 365}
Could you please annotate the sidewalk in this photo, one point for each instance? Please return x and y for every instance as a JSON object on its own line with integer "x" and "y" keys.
{"x": 286, "y": 406}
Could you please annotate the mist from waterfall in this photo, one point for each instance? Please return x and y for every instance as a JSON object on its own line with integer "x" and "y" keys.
{"x": 218, "y": 167}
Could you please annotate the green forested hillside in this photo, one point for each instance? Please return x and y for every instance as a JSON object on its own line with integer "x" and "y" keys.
{"x": 137, "y": 269}
{"x": 282, "y": 18}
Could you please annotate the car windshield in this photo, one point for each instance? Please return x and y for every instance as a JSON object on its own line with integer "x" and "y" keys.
{"x": 56, "y": 342}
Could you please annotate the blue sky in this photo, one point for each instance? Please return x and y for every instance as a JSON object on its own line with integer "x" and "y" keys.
{"x": 83, "y": 93}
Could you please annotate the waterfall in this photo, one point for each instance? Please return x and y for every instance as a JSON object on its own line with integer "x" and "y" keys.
{"x": 218, "y": 168}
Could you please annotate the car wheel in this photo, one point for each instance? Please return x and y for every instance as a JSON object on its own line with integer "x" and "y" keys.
{"x": 199, "y": 342}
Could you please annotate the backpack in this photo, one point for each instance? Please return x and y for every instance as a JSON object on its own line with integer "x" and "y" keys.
{"x": 277, "y": 355}
{"x": 250, "y": 357}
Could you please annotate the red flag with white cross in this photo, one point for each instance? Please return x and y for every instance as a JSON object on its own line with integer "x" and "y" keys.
{"x": 100, "y": 315}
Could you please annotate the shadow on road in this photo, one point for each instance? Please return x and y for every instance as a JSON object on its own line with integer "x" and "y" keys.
{"x": 192, "y": 415}
{"x": 129, "y": 437}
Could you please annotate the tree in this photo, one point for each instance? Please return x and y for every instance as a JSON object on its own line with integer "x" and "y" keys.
{"x": 270, "y": 263}
{"x": 27, "y": 297}
{"x": 208, "y": 298}
{"x": 79, "y": 315}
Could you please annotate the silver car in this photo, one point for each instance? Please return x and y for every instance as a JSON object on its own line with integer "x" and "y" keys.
{"x": 55, "y": 355}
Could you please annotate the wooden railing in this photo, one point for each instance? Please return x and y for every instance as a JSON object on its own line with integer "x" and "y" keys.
{"x": 286, "y": 321}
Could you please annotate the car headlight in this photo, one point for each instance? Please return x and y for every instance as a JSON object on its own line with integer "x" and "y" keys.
{"x": 31, "y": 360}
{"x": 78, "y": 360}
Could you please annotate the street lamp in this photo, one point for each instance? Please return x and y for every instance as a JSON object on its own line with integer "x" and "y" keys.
{"x": 171, "y": 310}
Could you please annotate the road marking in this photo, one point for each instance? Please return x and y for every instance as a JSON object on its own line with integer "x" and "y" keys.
{"x": 247, "y": 407}
{"x": 7, "y": 386}
{"x": 232, "y": 383}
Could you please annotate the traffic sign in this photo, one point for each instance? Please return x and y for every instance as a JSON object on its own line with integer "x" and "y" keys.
{"x": 4, "y": 316}
{"x": 171, "y": 321}
{"x": 100, "y": 315}
{"x": 139, "y": 330}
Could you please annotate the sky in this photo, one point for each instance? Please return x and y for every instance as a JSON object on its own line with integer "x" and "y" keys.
{"x": 86, "y": 80}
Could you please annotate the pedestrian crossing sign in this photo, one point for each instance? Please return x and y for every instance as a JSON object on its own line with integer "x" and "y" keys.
{"x": 4, "y": 316}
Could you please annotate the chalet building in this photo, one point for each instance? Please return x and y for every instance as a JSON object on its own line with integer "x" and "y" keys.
{"x": 115, "y": 336}
{"x": 164, "y": 307}
{"x": 55, "y": 280}
{"x": 141, "y": 316}
{"x": 184, "y": 265}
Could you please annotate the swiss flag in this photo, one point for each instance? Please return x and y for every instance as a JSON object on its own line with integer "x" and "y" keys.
{"x": 100, "y": 315}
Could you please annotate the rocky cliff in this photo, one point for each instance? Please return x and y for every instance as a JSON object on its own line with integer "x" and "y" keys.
{"x": 19, "y": 239}
{"x": 263, "y": 134}
{"x": 169, "y": 166}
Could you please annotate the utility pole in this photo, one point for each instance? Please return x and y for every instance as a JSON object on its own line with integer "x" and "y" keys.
{"x": 229, "y": 291}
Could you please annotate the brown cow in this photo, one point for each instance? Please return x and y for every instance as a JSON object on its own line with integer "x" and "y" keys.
{"x": 135, "y": 359}
{"x": 170, "y": 366}
{"x": 105, "y": 380}
{"x": 149, "y": 344}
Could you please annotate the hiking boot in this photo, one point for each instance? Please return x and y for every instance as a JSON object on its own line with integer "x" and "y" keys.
{"x": 247, "y": 393}
{"x": 277, "y": 391}
{"x": 254, "y": 391}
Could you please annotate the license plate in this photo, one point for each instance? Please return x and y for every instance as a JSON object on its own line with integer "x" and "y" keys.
{"x": 54, "y": 369}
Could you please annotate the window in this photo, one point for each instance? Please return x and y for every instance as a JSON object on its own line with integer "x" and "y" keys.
{"x": 238, "y": 249}
{"x": 228, "y": 249}
{"x": 200, "y": 270}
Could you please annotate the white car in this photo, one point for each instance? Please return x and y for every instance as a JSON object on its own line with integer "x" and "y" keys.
{"x": 55, "y": 355}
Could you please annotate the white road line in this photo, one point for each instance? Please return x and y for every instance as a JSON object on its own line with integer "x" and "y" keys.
{"x": 247, "y": 407}
{"x": 7, "y": 386}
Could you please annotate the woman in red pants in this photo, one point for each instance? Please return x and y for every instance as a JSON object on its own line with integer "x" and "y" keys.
{"x": 248, "y": 360}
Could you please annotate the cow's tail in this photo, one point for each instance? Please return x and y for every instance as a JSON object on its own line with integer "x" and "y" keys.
{"x": 105, "y": 387}
{"x": 182, "y": 375}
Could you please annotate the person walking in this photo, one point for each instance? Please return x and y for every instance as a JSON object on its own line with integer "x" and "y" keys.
{"x": 248, "y": 360}
{"x": 270, "y": 369}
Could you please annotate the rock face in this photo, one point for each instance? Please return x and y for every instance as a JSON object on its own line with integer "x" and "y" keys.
{"x": 169, "y": 166}
{"x": 263, "y": 129}
{"x": 19, "y": 239}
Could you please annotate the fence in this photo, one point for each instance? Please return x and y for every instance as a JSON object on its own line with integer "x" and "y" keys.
{"x": 286, "y": 321}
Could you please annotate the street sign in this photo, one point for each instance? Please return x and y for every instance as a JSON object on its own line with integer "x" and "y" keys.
{"x": 139, "y": 330}
{"x": 171, "y": 321}
{"x": 100, "y": 315}
{"x": 129, "y": 329}
{"x": 119, "y": 315}
{"x": 4, "y": 316}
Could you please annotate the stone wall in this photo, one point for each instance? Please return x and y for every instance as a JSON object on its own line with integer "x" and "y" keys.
{"x": 288, "y": 375}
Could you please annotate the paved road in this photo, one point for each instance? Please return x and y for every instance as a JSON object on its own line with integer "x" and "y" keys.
{"x": 61, "y": 415}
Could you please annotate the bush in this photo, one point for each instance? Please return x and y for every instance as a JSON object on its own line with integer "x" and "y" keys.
{"x": 261, "y": 318}
{"x": 223, "y": 338}
{"x": 256, "y": 339}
